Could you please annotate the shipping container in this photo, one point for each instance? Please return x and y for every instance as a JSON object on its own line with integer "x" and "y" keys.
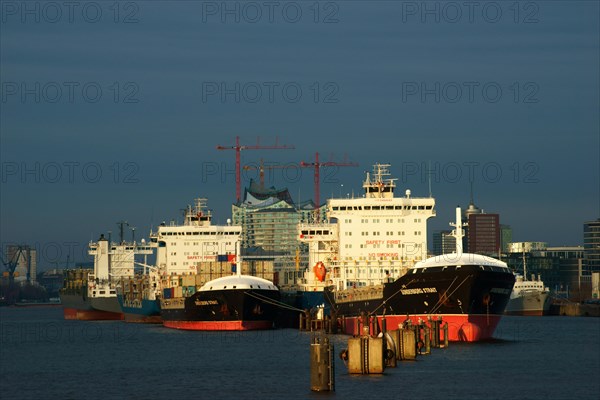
{"x": 189, "y": 280}
{"x": 178, "y": 292}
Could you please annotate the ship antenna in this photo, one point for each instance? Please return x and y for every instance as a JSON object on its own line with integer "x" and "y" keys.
{"x": 524, "y": 265}
{"x": 429, "y": 178}
{"x": 121, "y": 226}
{"x": 238, "y": 259}
{"x": 458, "y": 233}
{"x": 472, "y": 192}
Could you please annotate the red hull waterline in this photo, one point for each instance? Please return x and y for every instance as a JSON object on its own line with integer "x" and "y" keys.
{"x": 219, "y": 325}
{"x": 461, "y": 328}
{"x": 91, "y": 315}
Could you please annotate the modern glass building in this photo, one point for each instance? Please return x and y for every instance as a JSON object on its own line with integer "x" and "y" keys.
{"x": 269, "y": 219}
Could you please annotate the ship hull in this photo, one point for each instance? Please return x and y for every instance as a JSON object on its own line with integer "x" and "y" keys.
{"x": 76, "y": 306}
{"x": 529, "y": 304}
{"x": 461, "y": 327}
{"x": 144, "y": 311}
{"x": 108, "y": 304}
{"x": 221, "y": 310}
{"x": 470, "y": 298}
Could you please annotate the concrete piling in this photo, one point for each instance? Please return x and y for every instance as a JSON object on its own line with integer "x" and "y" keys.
{"x": 322, "y": 365}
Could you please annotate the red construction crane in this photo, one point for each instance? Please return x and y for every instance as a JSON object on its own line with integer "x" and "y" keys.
{"x": 261, "y": 170}
{"x": 317, "y": 178}
{"x": 238, "y": 148}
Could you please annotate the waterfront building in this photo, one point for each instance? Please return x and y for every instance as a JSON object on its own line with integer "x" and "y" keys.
{"x": 591, "y": 245}
{"x": 483, "y": 233}
{"x": 561, "y": 268}
{"x": 505, "y": 237}
{"x": 443, "y": 242}
{"x": 23, "y": 259}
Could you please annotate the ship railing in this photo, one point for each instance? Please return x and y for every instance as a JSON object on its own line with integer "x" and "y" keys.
{"x": 359, "y": 294}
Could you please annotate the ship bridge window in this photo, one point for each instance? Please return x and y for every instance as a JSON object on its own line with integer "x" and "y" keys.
{"x": 428, "y": 207}
{"x": 102, "y": 291}
{"x": 367, "y": 207}
{"x": 335, "y": 208}
{"x": 376, "y": 207}
{"x": 397, "y": 207}
{"x": 389, "y": 207}
{"x": 343, "y": 208}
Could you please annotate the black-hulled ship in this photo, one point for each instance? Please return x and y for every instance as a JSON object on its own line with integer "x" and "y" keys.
{"x": 237, "y": 302}
{"x": 230, "y": 303}
{"x": 469, "y": 291}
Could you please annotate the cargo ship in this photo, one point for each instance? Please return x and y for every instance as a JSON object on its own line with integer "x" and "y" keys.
{"x": 194, "y": 247}
{"x": 230, "y": 303}
{"x": 92, "y": 295}
{"x": 75, "y": 300}
{"x": 139, "y": 297}
{"x": 371, "y": 257}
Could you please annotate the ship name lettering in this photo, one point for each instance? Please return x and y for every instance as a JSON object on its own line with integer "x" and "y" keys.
{"x": 206, "y": 302}
{"x": 408, "y": 292}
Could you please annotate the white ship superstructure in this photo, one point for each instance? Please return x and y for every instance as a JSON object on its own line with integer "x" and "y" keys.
{"x": 112, "y": 262}
{"x": 368, "y": 240}
{"x": 180, "y": 248}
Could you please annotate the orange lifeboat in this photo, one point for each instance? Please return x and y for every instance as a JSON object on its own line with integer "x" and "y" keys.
{"x": 320, "y": 271}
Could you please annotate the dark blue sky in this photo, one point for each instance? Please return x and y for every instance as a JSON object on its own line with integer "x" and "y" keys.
{"x": 111, "y": 113}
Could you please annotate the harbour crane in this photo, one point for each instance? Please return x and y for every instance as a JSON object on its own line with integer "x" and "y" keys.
{"x": 238, "y": 148}
{"x": 316, "y": 165}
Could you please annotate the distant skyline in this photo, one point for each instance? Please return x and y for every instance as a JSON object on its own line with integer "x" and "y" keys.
{"x": 116, "y": 115}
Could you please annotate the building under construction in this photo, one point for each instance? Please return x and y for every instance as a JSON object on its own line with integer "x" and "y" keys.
{"x": 269, "y": 219}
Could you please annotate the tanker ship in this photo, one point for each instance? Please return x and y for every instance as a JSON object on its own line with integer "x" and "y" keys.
{"x": 371, "y": 257}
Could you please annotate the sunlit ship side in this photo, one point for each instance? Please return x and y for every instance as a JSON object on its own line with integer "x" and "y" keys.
{"x": 237, "y": 302}
{"x": 92, "y": 295}
{"x": 529, "y": 298}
